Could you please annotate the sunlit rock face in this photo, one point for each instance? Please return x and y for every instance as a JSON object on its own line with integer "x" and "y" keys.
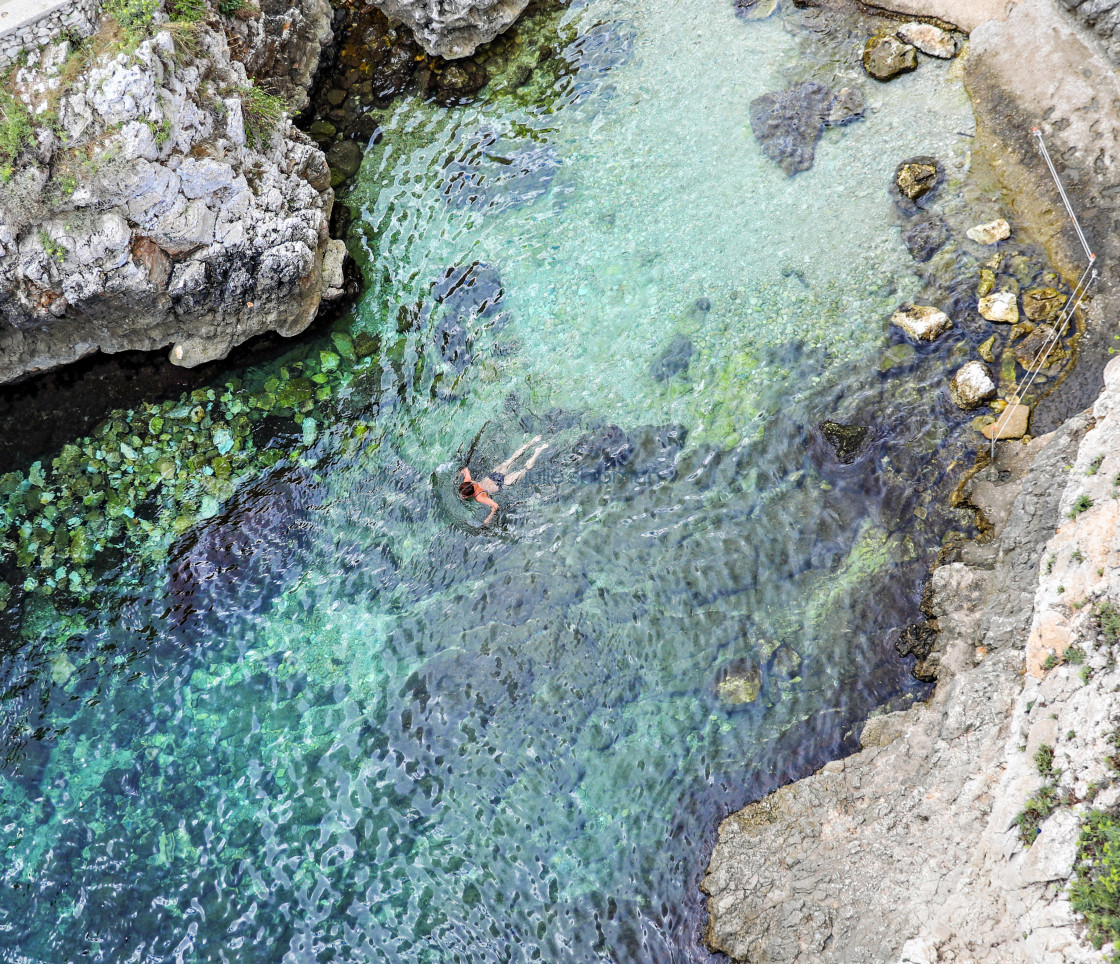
{"x": 454, "y": 28}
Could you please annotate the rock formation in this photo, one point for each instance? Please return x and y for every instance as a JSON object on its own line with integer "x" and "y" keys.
{"x": 170, "y": 202}
{"x": 454, "y": 28}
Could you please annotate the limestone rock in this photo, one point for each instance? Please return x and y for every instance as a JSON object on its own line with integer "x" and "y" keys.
{"x": 972, "y": 386}
{"x": 847, "y": 106}
{"x": 1040, "y": 348}
{"x": 924, "y": 238}
{"x": 885, "y": 57}
{"x": 788, "y": 123}
{"x": 990, "y": 233}
{"x": 1001, "y": 306}
{"x": 921, "y": 322}
{"x": 846, "y": 441}
{"x": 453, "y": 28}
{"x": 1043, "y": 304}
{"x": 929, "y": 39}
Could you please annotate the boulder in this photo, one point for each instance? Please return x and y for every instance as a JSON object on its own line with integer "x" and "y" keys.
{"x": 885, "y": 57}
{"x": 344, "y": 158}
{"x": 738, "y": 682}
{"x": 921, "y": 322}
{"x": 1001, "y": 306}
{"x": 929, "y": 39}
{"x": 453, "y": 28}
{"x": 788, "y": 123}
{"x": 972, "y": 386}
{"x": 1043, "y": 304}
{"x": 990, "y": 233}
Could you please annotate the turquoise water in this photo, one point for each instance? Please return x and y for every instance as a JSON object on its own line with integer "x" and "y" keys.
{"x": 340, "y": 720}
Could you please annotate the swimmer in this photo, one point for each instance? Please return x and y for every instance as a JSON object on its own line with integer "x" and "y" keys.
{"x": 499, "y": 478}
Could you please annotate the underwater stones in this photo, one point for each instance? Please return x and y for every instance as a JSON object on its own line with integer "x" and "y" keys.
{"x": 1041, "y": 346}
{"x": 597, "y": 452}
{"x": 885, "y": 57}
{"x": 972, "y": 386}
{"x": 929, "y": 39}
{"x": 1012, "y": 423}
{"x": 472, "y": 290}
{"x": 897, "y": 356}
{"x": 344, "y": 159}
{"x": 673, "y": 360}
{"x": 848, "y": 105}
{"x": 846, "y": 441}
{"x": 453, "y": 343}
{"x": 1000, "y": 306}
{"x": 1043, "y": 304}
{"x": 924, "y": 238}
{"x": 754, "y": 9}
{"x": 457, "y": 83}
{"x": 738, "y": 682}
{"x": 921, "y": 322}
{"x": 990, "y": 233}
{"x": 788, "y": 123}
{"x": 987, "y": 282}
{"x": 656, "y": 448}
{"x": 987, "y": 349}
{"x": 916, "y": 177}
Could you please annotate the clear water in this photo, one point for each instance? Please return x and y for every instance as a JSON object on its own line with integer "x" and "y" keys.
{"x": 345, "y": 722}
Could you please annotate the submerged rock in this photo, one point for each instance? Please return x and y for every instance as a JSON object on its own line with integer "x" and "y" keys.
{"x": 754, "y": 9}
{"x": 885, "y": 57}
{"x": 738, "y": 682}
{"x": 597, "y": 452}
{"x": 916, "y": 177}
{"x": 990, "y": 233}
{"x": 1043, "y": 304}
{"x": 673, "y": 360}
{"x": 897, "y": 356}
{"x": 1001, "y": 306}
{"x": 847, "y": 106}
{"x": 921, "y": 322}
{"x": 972, "y": 386}
{"x": 788, "y": 123}
{"x": 926, "y": 237}
{"x": 344, "y": 159}
{"x": 1040, "y": 347}
{"x": 846, "y": 441}
{"x": 929, "y": 39}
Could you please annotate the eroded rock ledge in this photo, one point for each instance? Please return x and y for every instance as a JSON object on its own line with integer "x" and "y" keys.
{"x": 164, "y": 198}
{"x": 913, "y": 850}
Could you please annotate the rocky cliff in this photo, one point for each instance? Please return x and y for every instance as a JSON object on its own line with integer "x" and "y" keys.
{"x": 155, "y": 192}
{"x": 453, "y": 28}
{"x": 976, "y": 827}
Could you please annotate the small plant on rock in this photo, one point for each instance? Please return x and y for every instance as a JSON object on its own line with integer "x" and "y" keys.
{"x": 1083, "y": 502}
{"x": 262, "y": 113}
{"x": 1095, "y": 895}
{"x": 1095, "y": 465}
{"x": 1108, "y": 619}
{"x": 1076, "y": 556}
{"x": 187, "y": 11}
{"x": 17, "y": 133}
{"x": 1035, "y": 811}
{"x": 1050, "y": 662}
{"x": 1075, "y": 656}
{"x": 1044, "y": 763}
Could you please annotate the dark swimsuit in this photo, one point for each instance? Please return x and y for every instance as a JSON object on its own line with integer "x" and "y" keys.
{"x": 498, "y": 478}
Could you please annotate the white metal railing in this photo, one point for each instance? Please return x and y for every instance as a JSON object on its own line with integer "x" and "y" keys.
{"x": 1088, "y": 276}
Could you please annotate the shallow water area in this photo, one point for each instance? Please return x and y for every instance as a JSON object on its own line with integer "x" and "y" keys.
{"x": 340, "y": 720}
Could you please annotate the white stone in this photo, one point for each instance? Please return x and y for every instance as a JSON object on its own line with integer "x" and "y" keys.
{"x": 928, "y": 39}
{"x": 990, "y": 233}
{"x": 921, "y": 322}
{"x": 1001, "y": 306}
{"x": 972, "y": 386}
{"x": 1052, "y": 855}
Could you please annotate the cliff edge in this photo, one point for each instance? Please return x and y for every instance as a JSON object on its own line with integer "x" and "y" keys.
{"x": 976, "y": 827}
{"x": 154, "y": 192}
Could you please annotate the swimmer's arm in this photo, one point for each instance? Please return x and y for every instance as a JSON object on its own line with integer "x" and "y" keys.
{"x": 486, "y": 500}
{"x": 465, "y": 473}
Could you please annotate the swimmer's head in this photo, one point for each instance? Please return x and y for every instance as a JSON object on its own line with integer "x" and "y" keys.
{"x": 466, "y": 490}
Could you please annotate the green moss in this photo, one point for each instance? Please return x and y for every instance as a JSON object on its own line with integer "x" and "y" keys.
{"x": 17, "y": 132}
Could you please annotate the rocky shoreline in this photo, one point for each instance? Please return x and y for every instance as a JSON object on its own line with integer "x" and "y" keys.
{"x": 954, "y": 833}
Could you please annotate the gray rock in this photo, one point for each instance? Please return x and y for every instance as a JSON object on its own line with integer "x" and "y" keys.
{"x": 929, "y": 39}
{"x": 788, "y": 123}
{"x": 921, "y": 322}
{"x": 453, "y": 28}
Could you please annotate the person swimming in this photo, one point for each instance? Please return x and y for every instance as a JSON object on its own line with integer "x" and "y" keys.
{"x": 499, "y": 478}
